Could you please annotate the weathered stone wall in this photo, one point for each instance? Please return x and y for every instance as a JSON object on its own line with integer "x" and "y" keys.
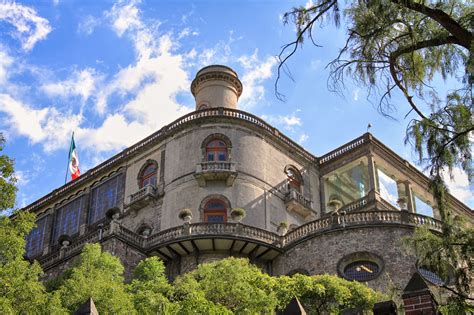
{"x": 259, "y": 187}
{"x": 322, "y": 253}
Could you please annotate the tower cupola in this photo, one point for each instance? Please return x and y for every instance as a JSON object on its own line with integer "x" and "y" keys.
{"x": 216, "y": 86}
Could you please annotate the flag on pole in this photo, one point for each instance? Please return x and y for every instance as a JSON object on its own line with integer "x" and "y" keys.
{"x": 73, "y": 160}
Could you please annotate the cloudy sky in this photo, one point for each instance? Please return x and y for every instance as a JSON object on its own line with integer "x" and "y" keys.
{"x": 114, "y": 72}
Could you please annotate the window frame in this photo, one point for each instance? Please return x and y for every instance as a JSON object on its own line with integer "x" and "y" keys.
{"x": 141, "y": 177}
{"x": 296, "y": 181}
{"x": 206, "y": 212}
{"x": 119, "y": 196}
{"x": 226, "y": 150}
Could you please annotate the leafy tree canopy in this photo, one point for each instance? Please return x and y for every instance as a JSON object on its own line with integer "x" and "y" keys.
{"x": 20, "y": 287}
{"x": 98, "y": 275}
{"x": 7, "y": 179}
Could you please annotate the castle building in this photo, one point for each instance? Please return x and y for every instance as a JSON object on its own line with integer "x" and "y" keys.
{"x": 179, "y": 194}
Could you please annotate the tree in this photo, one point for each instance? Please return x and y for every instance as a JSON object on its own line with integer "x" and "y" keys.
{"x": 325, "y": 294}
{"x": 21, "y": 290}
{"x": 232, "y": 283}
{"x": 150, "y": 288}
{"x": 98, "y": 275}
{"x": 404, "y": 45}
{"x": 7, "y": 179}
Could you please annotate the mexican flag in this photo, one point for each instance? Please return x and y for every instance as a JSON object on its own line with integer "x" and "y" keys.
{"x": 73, "y": 160}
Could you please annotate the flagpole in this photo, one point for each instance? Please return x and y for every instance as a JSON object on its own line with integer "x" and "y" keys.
{"x": 68, "y": 158}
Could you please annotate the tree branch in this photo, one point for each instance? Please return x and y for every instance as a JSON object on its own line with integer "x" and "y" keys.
{"x": 463, "y": 35}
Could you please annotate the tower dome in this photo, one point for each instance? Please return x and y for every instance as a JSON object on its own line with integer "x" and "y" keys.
{"x": 216, "y": 86}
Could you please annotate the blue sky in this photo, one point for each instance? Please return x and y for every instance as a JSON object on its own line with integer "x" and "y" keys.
{"x": 114, "y": 72}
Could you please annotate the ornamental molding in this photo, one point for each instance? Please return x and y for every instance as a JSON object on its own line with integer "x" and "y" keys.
{"x": 216, "y": 76}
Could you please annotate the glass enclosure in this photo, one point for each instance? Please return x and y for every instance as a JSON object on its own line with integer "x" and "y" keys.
{"x": 347, "y": 184}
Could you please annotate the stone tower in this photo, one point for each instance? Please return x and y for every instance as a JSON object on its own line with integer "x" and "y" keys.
{"x": 216, "y": 86}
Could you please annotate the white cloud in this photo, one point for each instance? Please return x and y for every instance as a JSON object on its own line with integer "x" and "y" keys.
{"x": 256, "y": 72}
{"x": 302, "y": 138}
{"x": 288, "y": 122}
{"x": 82, "y": 83}
{"x": 47, "y": 125}
{"x": 29, "y": 27}
{"x": 125, "y": 16}
{"x": 5, "y": 62}
{"x": 459, "y": 185}
{"x": 88, "y": 24}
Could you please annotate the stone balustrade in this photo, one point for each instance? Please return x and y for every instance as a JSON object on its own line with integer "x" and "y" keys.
{"x": 244, "y": 232}
{"x": 140, "y": 198}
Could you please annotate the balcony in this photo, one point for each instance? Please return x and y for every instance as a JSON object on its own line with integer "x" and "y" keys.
{"x": 144, "y": 196}
{"x": 296, "y": 202}
{"x": 215, "y": 171}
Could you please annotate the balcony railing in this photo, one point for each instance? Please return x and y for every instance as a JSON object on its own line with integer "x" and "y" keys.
{"x": 215, "y": 170}
{"x": 295, "y": 201}
{"x": 143, "y": 196}
{"x": 241, "y": 231}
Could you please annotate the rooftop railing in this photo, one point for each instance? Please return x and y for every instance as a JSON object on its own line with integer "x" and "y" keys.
{"x": 241, "y": 231}
{"x": 343, "y": 149}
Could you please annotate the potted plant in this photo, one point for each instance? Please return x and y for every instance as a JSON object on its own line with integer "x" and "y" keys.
{"x": 237, "y": 214}
{"x": 402, "y": 203}
{"x": 186, "y": 215}
{"x": 283, "y": 227}
{"x": 334, "y": 204}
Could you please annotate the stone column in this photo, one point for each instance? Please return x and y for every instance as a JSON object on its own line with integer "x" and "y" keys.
{"x": 322, "y": 197}
{"x": 48, "y": 232}
{"x": 409, "y": 195}
{"x": 372, "y": 177}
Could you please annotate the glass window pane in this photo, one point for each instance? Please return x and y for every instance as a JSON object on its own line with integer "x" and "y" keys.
{"x": 215, "y": 218}
{"x": 422, "y": 207}
{"x": 222, "y": 156}
{"x": 105, "y": 196}
{"x": 35, "y": 240}
{"x": 388, "y": 188}
{"x": 68, "y": 218}
{"x": 347, "y": 184}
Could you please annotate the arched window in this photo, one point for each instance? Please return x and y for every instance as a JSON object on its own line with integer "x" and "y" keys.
{"x": 147, "y": 175}
{"x": 215, "y": 210}
{"x": 216, "y": 151}
{"x": 203, "y": 106}
{"x": 294, "y": 178}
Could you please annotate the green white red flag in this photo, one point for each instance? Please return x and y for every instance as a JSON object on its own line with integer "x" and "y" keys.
{"x": 73, "y": 160}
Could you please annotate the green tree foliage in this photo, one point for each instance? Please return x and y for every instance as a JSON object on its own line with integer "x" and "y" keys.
{"x": 404, "y": 45}
{"x": 98, "y": 275}
{"x": 150, "y": 288}
{"x": 232, "y": 283}
{"x": 325, "y": 294}
{"x": 21, "y": 290}
{"x": 7, "y": 179}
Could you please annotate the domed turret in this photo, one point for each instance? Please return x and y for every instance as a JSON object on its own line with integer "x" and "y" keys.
{"x": 216, "y": 86}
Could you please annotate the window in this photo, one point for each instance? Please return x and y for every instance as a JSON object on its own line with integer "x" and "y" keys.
{"x": 422, "y": 206}
{"x": 203, "y": 106}
{"x": 107, "y": 195}
{"x": 35, "y": 240}
{"x": 388, "y": 187}
{"x": 216, "y": 151}
{"x": 294, "y": 178}
{"x": 68, "y": 218}
{"x": 147, "y": 175}
{"x": 215, "y": 210}
{"x": 361, "y": 271}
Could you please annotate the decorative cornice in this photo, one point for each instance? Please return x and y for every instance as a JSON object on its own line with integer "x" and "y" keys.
{"x": 216, "y": 76}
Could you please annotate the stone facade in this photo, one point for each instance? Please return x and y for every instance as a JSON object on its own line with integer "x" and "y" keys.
{"x": 338, "y": 215}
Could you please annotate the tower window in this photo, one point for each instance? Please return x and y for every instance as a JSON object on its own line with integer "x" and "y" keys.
{"x": 147, "y": 175}
{"x": 216, "y": 151}
{"x": 294, "y": 178}
{"x": 215, "y": 211}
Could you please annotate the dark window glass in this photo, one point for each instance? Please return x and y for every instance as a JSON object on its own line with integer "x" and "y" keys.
{"x": 216, "y": 150}
{"x": 35, "y": 240}
{"x": 148, "y": 176}
{"x": 67, "y": 218}
{"x": 431, "y": 276}
{"x": 105, "y": 196}
{"x": 361, "y": 271}
{"x": 215, "y": 210}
